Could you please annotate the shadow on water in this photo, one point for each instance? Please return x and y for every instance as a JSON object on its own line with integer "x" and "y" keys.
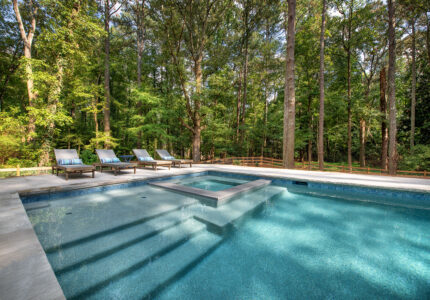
{"x": 316, "y": 248}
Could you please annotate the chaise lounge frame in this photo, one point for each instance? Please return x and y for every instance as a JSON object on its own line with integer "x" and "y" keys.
{"x": 176, "y": 162}
{"x": 153, "y": 163}
{"x": 68, "y": 169}
{"x": 116, "y": 166}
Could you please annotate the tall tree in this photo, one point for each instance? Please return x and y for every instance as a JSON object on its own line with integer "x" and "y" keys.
{"x": 27, "y": 41}
{"x": 321, "y": 85}
{"x": 383, "y": 110}
{"x": 106, "y": 108}
{"x": 250, "y": 18}
{"x": 413, "y": 88}
{"x": 140, "y": 13}
{"x": 109, "y": 9}
{"x": 190, "y": 26}
{"x": 290, "y": 96}
{"x": 347, "y": 45}
{"x": 392, "y": 144}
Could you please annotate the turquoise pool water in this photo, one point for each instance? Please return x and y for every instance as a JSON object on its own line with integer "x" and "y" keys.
{"x": 142, "y": 242}
{"x": 212, "y": 185}
{"x": 306, "y": 247}
{"x": 210, "y": 182}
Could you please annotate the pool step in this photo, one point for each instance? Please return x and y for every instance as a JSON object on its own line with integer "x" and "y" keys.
{"x": 92, "y": 250}
{"x": 146, "y": 282}
{"x": 91, "y": 277}
{"x": 222, "y": 218}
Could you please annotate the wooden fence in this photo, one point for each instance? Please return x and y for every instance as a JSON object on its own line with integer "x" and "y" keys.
{"x": 17, "y": 171}
{"x": 268, "y": 162}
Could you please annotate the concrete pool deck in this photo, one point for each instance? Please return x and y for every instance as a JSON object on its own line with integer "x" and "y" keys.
{"x": 25, "y": 272}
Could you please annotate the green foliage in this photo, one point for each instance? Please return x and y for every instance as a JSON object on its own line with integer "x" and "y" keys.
{"x": 68, "y": 70}
{"x": 12, "y": 135}
{"x": 22, "y": 162}
{"x": 419, "y": 160}
{"x": 88, "y": 157}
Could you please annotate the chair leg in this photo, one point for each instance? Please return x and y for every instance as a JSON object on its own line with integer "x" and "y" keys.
{"x": 67, "y": 175}
{"x": 134, "y": 170}
{"x": 93, "y": 173}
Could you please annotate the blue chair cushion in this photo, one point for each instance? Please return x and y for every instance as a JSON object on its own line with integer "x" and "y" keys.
{"x": 110, "y": 160}
{"x": 169, "y": 157}
{"x": 145, "y": 158}
{"x": 76, "y": 161}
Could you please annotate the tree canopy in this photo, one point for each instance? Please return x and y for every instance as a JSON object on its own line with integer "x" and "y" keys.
{"x": 208, "y": 79}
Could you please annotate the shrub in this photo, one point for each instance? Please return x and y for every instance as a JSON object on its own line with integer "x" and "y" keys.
{"x": 23, "y": 163}
{"x": 419, "y": 161}
{"x": 88, "y": 157}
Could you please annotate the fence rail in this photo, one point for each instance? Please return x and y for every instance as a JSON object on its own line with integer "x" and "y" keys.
{"x": 18, "y": 170}
{"x": 268, "y": 162}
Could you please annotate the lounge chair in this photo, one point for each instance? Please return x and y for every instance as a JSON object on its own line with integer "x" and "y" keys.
{"x": 68, "y": 161}
{"x": 165, "y": 155}
{"x": 144, "y": 159}
{"x": 108, "y": 159}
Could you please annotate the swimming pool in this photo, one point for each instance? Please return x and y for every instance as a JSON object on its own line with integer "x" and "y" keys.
{"x": 143, "y": 241}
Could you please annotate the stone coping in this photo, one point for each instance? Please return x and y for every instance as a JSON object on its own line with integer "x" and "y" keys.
{"x": 217, "y": 198}
{"x": 25, "y": 272}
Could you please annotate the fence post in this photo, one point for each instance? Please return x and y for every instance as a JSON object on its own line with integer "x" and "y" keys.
{"x": 368, "y": 170}
{"x": 18, "y": 171}
{"x": 425, "y": 173}
{"x": 343, "y": 169}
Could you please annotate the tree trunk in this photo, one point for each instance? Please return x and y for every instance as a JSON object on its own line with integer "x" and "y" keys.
{"x": 290, "y": 97}
{"x": 239, "y": 96}
{"x": 245, "y": 83}
{"x": 140, "y": 17}
{"x": 310, "y": 122}
{"x": 106, "y": 108}
{"x": 414, "y": 83}
{"x": 392, "y": 145}
{"x": 266, "y": 109}
{"x": 349, "y": 142}
{"x": 140, "y": 20}
{"x": 27, "y": 41}
{"x": 197, "y": 122}
{"x": 362, "y": 143}
{"x": 321, "y": 84}
{"x": 383, "y": 109}
{"x": 428, "y": 37}
{"x": 266, "y": 88}
{"x": 196, "y": 142}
